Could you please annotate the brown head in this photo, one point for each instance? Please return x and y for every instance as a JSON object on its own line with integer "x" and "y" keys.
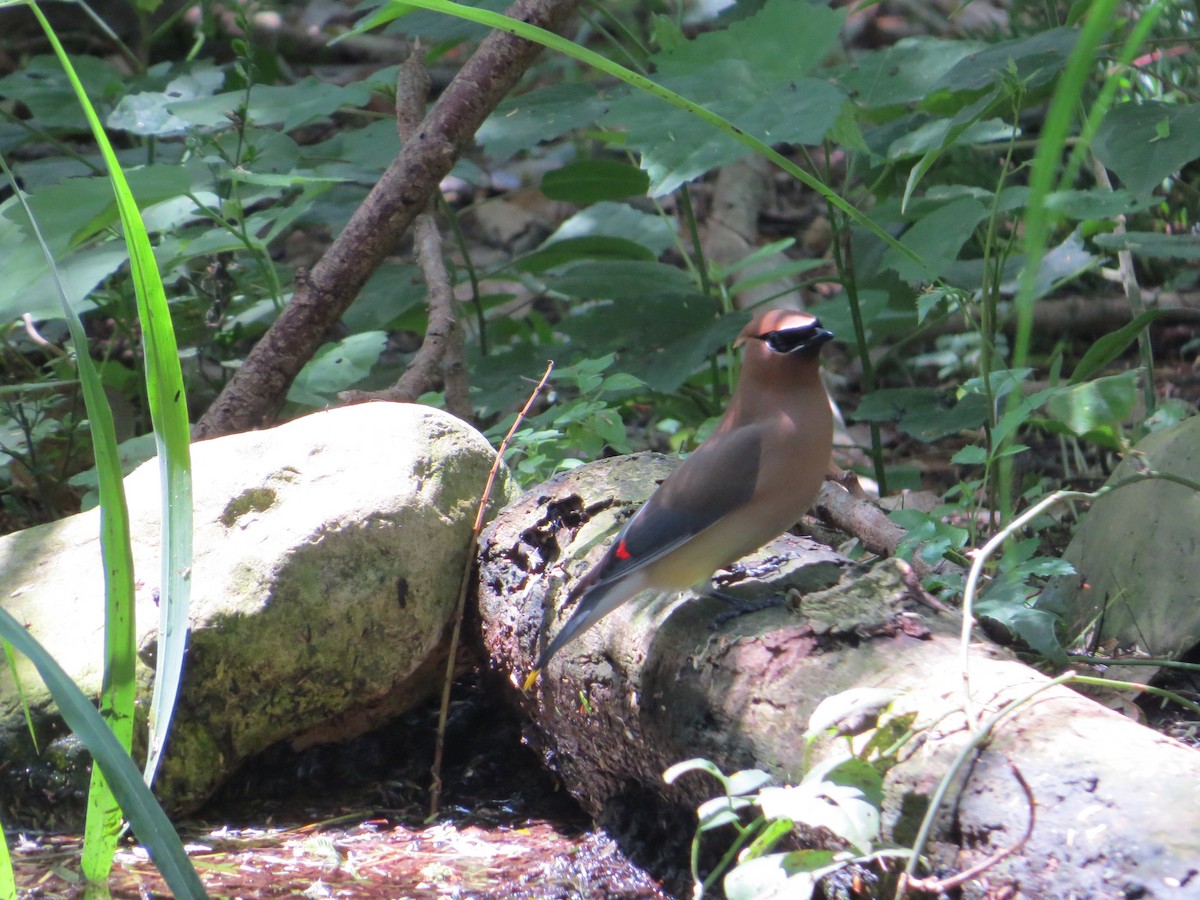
{"x": 778, "y": 340}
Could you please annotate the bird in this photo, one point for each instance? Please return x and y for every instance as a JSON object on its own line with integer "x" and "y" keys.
{"x": 747, "y": 483}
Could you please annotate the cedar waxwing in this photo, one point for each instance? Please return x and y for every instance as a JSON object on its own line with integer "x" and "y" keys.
{"x": 749, "y": 482}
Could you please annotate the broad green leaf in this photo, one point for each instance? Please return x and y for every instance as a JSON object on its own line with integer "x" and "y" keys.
{"x": 903, "y": 73}
{"x": 747, "y": 781}
{"x": 522, "y": 122}
{"x": 677, "y": 147}
{"x": 149, "y": 822}
{"x": 146, "y": 112}
{"x": 1094, "y": 204}
{"x": 46, "y": 92}
{"x": 854, "y": 772}
{"x": 937, "y": 239}
{"x": 592, "y": 180}
{"x": 289, "y": 106}
{"x": 618, "y": 220}
{"x": 767, "y": 876}
{"x": 841, "y": 809}
{"x": 569, "y": 250}
{"x": 941, "y": 134}
{"x": 1033, "y": 60}
{"x": 1095, "y": 409}
{"x": 336, "y": 367}
{"x": 751, "y": 73}
{"x": 671, "y": 775}
{"x": 1152, "y": 245}
{"x": 28, "y": 287}
{"x": 612, "y": 279}
{"x": 1034, "y": 627}
{"x": 79, "y": 208}
{"x": 1129, "y": 141}
{"x": 923, "y": 413}
{"x": 1112, "y": 345}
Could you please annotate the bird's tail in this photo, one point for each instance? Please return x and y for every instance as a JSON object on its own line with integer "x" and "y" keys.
{"x": 596, "y": 600}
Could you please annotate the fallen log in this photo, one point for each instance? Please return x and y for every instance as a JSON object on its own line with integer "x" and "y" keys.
{"x": 1118, "y": 805}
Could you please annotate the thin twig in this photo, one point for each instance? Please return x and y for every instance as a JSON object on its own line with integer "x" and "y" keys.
{"x": 941, "y": 885}
{"x": 978, "y": 738}
{"x": 435, "y": 790}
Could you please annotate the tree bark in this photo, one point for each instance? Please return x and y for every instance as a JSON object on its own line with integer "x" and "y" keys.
{"x": 1118, "y": 806}
{"x": 259, "y": 387}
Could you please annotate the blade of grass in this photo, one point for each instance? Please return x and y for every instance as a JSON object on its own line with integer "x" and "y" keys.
{"x": 8, "y": 880}
{"x": 553, "y": 41}
{"x": 168, "y": 412}
{"x": 119, "y": 688}
{"x": 1047, "y": 161}
{"x": 16, "y": 677}
{"x": 151, "y": 825}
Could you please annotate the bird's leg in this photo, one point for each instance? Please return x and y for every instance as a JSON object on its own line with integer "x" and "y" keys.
{"x": 740, "y": 606}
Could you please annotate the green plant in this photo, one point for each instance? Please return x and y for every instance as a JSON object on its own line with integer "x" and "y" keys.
{"x": 107, "y": 800}
{"x": 839, "y": 800}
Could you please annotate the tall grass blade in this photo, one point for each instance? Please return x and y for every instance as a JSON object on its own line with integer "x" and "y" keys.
{"x": 119, "y": 688}
{"x": 151, "y": 825}
{"x": 168, "y": 412}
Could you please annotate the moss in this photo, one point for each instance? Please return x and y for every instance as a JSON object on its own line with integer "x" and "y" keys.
{"x": 257, "y": 499}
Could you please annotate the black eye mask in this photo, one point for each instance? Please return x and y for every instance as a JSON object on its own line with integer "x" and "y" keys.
{"x": 801, "y": 340}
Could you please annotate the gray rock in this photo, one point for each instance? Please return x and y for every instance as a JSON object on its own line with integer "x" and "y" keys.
{"x": 1135, "y": 555}
{"x": 328, "y": 557}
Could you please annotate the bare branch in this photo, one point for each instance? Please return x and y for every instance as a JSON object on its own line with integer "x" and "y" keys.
{"x": 258, "y": 388}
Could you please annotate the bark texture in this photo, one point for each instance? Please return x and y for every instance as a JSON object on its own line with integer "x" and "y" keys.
{"x": 1118, "y": 806}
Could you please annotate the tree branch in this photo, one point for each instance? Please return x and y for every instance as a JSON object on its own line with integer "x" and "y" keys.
{"x": 258, "y": 388}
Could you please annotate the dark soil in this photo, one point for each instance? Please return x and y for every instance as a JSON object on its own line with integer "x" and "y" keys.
{"x": 351, "y": 820}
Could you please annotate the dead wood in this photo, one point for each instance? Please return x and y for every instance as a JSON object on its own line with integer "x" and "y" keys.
{"x": 259, "y": 386}
{"x": 654, "y": 684}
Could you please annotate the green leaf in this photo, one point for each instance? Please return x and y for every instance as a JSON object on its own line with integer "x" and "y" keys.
{"x": 289, "y": 106}
{"x": 146, "y": 112}
{"x": 78, "y": 209}
{"x": 823, "y": 804}
{"x": 1094, "y": 204}
{"x": 1036, "y": 628}
{"x": 46, "y": 91}
{"x": 596, "y": 247}
{"x": 167, "y": 404}
{"x": 747, "y": 781}
{"x": 1112, "y": 345}
{"x": 1130, "y": 142}
{"x": 923, "y": 413}
{"x": 767, "y": 876}
{"x": 1095, "y": 409}
{"x": 1152, "y": 245}
{"x": 618, "y": 220}
{"x": 937, "y": 239}
{"x": 150, "y": 823}
{"x": 336, "y": 367}
{"x": 751, "y": 73}
{"x": 1032, "y": 60}
{"x": 903, "y": 73}
{"x": 522, "y": 122}
{"x": 671, "y": 775}
{"x": 612, "y": 279}
{"x": 592, "y": 180}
